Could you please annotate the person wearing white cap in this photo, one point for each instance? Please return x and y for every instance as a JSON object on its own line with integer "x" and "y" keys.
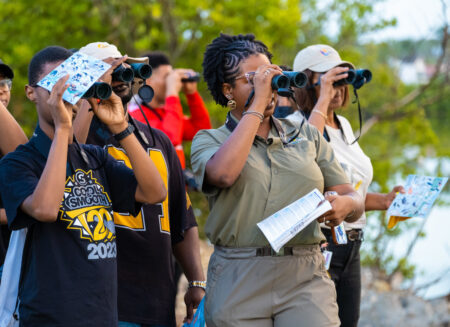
{"x": 319, "y": 101}
{"x": 146, "y": 283}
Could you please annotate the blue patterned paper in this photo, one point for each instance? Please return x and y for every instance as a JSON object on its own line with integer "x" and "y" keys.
{"x": 84, "y": 71}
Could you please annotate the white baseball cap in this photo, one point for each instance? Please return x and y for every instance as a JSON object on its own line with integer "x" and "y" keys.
{"x": 103, "y": 50}
{"x": 318, "y": 58}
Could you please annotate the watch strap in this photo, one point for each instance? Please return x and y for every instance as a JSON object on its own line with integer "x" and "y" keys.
{"x": 127, "y": 131}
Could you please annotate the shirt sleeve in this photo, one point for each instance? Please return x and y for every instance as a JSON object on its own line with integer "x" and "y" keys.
{"x": 199, "y": 118}
{"x": 332, "y": 171}
{"x": 17, "y": 182}
{"x": 172, "y": 123}
{"x": 122, "y": 186}
{"x": 204, "y": 146}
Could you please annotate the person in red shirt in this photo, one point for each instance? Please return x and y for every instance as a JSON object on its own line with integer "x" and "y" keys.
{"x": 165, "y": 112}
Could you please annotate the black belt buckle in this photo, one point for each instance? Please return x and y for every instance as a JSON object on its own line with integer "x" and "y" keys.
{"x": 355, "y": 235}
{"x": 266, "y": 252}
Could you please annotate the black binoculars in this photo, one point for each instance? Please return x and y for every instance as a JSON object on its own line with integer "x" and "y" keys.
{"x": 195, "y": 77}
{"x": 355, "y": 77}
{"x": 143, "y": 71}
{"x": 282, "y": 83}
{"x": 125, "y": 74}
{"x": 98, "y": 90}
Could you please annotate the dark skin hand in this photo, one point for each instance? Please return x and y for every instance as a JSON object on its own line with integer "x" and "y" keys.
{"x": 187, "y": 253}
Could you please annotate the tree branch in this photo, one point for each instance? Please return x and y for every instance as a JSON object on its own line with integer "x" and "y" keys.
{"x": 413, "y": 95}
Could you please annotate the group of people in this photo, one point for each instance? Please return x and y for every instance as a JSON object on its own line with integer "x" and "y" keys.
{"x": 99, "y": 194}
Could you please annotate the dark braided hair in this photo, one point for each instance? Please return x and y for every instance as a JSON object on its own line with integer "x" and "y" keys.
{"x": 222, "y": 58}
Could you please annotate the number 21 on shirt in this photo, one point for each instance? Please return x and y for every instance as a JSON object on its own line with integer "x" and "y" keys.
{"x": 126, "y": 220}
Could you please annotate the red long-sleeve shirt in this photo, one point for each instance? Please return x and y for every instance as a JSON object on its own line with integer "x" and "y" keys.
{"x": 170, "y": 120}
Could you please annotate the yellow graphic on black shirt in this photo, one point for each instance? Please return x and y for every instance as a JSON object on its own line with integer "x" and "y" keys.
{"x": 87, "y": 208}
{"x": 126, "y": 220}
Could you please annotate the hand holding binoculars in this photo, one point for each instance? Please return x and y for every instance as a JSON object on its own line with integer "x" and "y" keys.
{"x": 102, "y": 91}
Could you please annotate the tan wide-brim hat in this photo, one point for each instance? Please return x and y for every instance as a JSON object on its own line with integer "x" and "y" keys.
{"x": 103, "y": 50}
{"x": 319, "y": 58}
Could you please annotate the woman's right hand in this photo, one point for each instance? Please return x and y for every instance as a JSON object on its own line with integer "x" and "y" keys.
{"x": 262, "y": 82}
{"x": 327, "y": 90}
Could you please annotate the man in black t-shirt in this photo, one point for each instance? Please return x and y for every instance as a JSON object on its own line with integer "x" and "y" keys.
{"x": 145, "y": 242}
{"x": 65, "y": 195}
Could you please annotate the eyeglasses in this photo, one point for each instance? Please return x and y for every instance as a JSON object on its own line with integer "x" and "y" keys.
{"x": 5, "y": 84}
{"x": 249, "y": 76}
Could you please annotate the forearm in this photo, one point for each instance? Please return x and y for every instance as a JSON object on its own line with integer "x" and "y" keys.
{"x": 317, "y": 117}
{"x": 349, "y": 205}
{"x": 375, "y": 201}
{"x": 357, "y": 206}
{"x": 198, "y": 120}
{"x": 82, "y": 122}
{"x": 151, "y": 188}
{"x": 187, "y": 252}
{"x": 224, "y": 167}
{"x": 44, "y": 203}
{"x": 3, "y": 220}
{"x": 11, "y": 134}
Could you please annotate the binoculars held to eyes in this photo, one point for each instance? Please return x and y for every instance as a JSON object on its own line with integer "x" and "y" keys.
{"x": 283, "y": 83}
{"x": 355, "y": 77}
{"x": 125, "y": 74}
{"x": 195, "y": 77}
{"x": 103, "y": 91}
{"x": 98, "y": 90}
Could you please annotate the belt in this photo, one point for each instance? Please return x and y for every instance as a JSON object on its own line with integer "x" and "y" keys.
{"x": 352, "y": 234}
{"x": 266, "y": 252}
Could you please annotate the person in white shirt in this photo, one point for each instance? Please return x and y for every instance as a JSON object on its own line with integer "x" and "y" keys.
{"x": 319, "y": 101}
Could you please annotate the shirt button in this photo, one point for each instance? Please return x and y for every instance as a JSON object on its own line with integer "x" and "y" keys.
{"x": 275, "y": 171}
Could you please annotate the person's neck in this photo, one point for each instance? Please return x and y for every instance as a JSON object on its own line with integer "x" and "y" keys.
{"x": 330, "y": 121}
{"x": 155, "y": 103}
{"x": 264, "y": 128}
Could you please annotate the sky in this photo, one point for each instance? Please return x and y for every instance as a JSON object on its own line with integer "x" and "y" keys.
{"x": 415, "y": 18}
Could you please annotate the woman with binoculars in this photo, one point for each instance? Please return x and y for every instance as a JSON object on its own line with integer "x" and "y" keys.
{"x": 249, "y": 168}
{"x": 327, "y": 90}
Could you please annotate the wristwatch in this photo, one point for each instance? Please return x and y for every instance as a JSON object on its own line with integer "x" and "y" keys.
{"x": 197, "y": 283}
{"x": 127, "y": 131}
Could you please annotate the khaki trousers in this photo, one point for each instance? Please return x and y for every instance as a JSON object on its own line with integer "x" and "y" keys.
{"x": 282, "y": 291}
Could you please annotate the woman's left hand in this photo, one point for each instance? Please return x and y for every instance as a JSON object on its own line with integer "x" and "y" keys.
{"x": 342, "y": 206}
{"x": 389, "y": 197}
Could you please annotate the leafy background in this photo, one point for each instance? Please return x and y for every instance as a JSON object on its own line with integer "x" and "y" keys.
{"x": 403, "y": 134}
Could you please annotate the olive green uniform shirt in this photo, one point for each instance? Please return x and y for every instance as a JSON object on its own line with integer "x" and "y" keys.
{"x": 274, "y": 176}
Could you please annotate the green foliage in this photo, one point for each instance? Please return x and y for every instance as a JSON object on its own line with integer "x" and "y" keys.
{"x": 396, "y": 144}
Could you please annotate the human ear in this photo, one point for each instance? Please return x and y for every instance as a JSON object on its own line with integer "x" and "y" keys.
{"x": 227, "y": 90}
{"x": 30, "y": 93}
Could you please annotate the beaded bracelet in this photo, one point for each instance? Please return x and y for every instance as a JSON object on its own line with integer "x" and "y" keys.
{"x": 252, "y": 112}
{"x": 197, "y": 283}
{"x": 320, "y": 113}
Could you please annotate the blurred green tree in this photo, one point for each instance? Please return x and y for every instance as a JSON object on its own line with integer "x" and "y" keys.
{"x": 396, "y": 139}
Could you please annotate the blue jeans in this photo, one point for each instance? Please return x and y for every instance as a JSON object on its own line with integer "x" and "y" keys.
{"x": 132, "y": 324}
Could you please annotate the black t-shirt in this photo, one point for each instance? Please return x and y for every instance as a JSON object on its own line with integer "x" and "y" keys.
{"x": 5, "y": 233}
{"x": 69, "y": 268}
{"x": 146, "y": 284}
